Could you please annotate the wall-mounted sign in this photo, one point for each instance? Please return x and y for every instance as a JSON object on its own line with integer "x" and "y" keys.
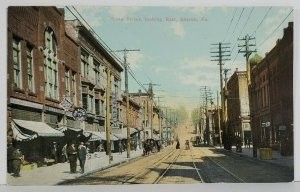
{"x": 79, "y": 114}
{"x": 66, "y": 104}
{"x": 282, "y": 128}
{"x": 114, "y": 111}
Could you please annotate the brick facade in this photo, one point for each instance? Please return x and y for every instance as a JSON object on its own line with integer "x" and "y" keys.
{"x": 272, "y": 95}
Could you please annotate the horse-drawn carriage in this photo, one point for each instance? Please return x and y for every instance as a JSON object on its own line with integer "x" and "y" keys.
{"x": 151, "y": 145}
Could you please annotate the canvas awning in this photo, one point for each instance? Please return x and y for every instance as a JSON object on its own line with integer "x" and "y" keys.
{"x": 97, "y": 136}
{"x": 101, "y": 136}
{"x": 19, "y": 136}
{"x": 39, "y": 128}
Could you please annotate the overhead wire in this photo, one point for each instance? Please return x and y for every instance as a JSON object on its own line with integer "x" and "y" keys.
{"x": 262, "y": 42}
{"x": 107, "y": 48}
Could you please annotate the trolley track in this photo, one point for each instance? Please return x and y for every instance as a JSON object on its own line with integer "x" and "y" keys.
{"x": 207, "y": 176}
{"x": 168, "y": 169}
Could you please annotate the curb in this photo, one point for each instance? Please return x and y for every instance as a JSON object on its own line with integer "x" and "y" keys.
{"x": 103, "y": 168}
{"x": 254, "y": 159}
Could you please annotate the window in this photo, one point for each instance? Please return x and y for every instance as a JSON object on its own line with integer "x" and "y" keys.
{"x": 84, "y": 101}
{"x": 74, "y": 100}
{"x": 102, "y": 108}
{"x": 29, "y": 68}
{"x": 97, "y": 107}
{"x": 17, "y": 62}
{"x": 67, "y": 82}
{"x": 50, "y": 40}
{"x": 84, "y": 63}
{"x": 51, "y": 66}
{"x": 97, "y": 72}
{"x": 90, "y": 106}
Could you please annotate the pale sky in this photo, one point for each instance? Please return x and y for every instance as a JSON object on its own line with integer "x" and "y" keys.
{"x": 175, "y": 53}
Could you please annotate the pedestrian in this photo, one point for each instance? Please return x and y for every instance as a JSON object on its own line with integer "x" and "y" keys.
{"x": 178, "y": 145}
{"x": 10, "y": 150}
{"x": 72, "y": 155}
{"x": 53, "y": 151}
{"x": 82, "y": 152}
{"x": 64, "y": 153}
{"x": 120, "y": 147}
{"x": 17, "y": 159}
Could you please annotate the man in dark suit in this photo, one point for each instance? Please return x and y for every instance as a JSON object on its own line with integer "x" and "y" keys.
{"x": 72, "y": 155}
{"x": 82, "y": 152}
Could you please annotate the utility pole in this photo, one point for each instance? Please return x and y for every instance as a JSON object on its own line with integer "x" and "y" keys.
{"x": 247, "y": 52}
{"x": 125, "y": 51}
{"x": 205, "y": 95}
{"x": 145, "y": 118}
{"x": 160, "y": 117}
{"x": 221, "y": 56}
{"x": 108, "y": 144}
{"x": 151, "y": 96}
{"x": 219, "y": 120}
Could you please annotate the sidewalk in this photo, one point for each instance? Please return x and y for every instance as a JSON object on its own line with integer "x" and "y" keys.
{"x": 287, "y": 161}
{"x": 54, "y": 174}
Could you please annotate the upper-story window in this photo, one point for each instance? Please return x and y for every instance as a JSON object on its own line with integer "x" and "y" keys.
{"x": 84, "y": 57}
{"x": 17, "y": 63}
{"x": 50, "y": 40}
{"x": 51, "y": 66}
{"x": 97, "y": 72}
{"x": 67, "y": 81}
{"x": 30, "y": 75}
{"x": 74, "y": 88}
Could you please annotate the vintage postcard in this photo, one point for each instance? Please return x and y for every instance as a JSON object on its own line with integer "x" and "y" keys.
{"x": 114, "y": 95}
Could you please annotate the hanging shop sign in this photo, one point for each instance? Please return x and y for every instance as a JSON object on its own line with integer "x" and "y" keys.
{"x": 114, "y": 111}
{"x": 66, "y": 104}
{"x": 79, "y": 114}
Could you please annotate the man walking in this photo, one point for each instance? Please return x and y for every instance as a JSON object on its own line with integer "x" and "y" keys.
{"x": 82, "y": 155}
{"x": 72, "y": 155}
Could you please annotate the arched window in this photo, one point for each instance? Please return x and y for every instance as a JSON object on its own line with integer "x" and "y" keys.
{"x": 51, "y": 65}
{"x": 50, "y": 40}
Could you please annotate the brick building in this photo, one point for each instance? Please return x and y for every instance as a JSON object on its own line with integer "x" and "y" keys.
{"x": 272, "y": 96}
{"x": 238, "y": 106}
{"x": 94, "y": 61}
{"x": 42, "y": 69}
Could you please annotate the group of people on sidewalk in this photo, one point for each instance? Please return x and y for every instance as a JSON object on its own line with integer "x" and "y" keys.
{"x": 73, "y": 153}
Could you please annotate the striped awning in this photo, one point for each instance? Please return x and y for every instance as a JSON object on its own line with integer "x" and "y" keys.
{"x": 39, "y": 128}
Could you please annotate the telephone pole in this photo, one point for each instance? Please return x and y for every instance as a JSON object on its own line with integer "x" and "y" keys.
{"x": 247, "y": 52}
{"x": 125, "y": 51}
{"x": 222, "y": 55}
{"x": 108, "y": 144}
{"x": 151, "y": 96}
{"x": 219, "y": 120}
{"x": 206, "y": 95}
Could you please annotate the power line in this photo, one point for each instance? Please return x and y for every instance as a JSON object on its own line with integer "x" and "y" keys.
{"x": 106, "y": 47}
{"x": 238, "y": 22}
{"x": 229, "y": 24}
{"x": 243, "y": 27}
{"x": 261, "y": 21}
{"x": 275, "y": 29}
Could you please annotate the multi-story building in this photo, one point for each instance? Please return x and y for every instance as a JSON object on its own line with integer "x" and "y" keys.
{"x": 94, "y": 61}
{"x": 145, "y": 101}
{"x": 272, "y": 96}
{"x": 42, "y": 70}
{"x": 238, "y": 106}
